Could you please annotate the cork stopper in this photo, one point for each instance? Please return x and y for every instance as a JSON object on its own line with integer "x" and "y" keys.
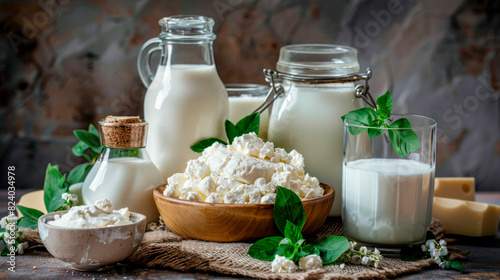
{"x": 123, "y": 132}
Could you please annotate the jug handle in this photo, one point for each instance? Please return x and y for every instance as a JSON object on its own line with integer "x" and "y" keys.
{"x": 143, "y": 61}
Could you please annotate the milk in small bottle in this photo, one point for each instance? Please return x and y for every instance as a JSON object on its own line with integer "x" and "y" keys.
{"x": 123, "y": 173}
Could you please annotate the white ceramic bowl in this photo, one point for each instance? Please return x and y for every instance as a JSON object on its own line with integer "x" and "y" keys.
{"x": 92, "y": 248}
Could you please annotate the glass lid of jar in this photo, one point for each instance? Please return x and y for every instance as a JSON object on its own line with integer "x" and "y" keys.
{"x": 319, "y": 60}
{"x": 187, "y": 27}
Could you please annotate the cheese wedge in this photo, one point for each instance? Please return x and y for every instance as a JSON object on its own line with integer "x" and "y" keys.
{"x": 32, "y": 200}
{"x": 466, "y": 217}
{"x": 459, "y": 188}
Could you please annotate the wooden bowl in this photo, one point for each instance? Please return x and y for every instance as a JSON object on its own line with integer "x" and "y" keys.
{"x": 234, "y": 222}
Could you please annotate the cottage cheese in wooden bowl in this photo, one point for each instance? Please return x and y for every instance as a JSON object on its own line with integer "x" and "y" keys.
{"x": 227, "y": 194}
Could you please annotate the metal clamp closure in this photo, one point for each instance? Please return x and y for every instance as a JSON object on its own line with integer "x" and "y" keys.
{"x": 274, "y": 78}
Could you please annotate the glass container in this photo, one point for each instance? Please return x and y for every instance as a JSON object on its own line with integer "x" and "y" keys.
{"x": 123, "y": 172}
{"x": 314, "y": 86}
{"x": 387, "y": 200}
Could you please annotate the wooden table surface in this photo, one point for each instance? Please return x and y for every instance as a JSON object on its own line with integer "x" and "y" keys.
{"x": 483, "y": 261}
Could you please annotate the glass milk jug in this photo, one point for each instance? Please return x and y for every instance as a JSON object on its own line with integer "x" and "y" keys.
{"x": 314, "y": 86}
{"x": 186, "y": 101}
{"x": 123, "y": 172}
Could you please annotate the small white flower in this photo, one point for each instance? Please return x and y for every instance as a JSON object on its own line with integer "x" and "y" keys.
{"x": 442, "y": 265}
{"x": 21, "y": 247}
{"x": 437, "y": 260}
{"x": 356, "y": 259}
{"x": 353, "y": 245}
{"x": 444, "y": 252}
{"x": 424, "y": 248}
{"x": 3, "y": 222}
{"x": 152, "y": 226}
{"x": 376, "y": 252}
{"x": 376, "y": 264}
{"x": 434, "y": 253}
{"x": 70, "y": 198}
{"x": 365, "y": 260}
{"x": 432, "y": 246}
{"x": 429, "y": 242}
{"x": 342, "y": 266}
{"x": 12, "y": 219}
{"x": 442, "y": 242}
{"x": 364, "y": 251}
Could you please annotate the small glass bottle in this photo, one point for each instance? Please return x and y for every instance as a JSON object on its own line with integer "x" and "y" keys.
{"x": 123, "y": 172}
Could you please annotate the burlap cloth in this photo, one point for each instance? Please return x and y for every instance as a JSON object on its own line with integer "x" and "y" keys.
{"x": 164, "y": 249}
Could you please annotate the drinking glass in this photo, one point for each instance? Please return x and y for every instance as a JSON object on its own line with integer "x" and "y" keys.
{"x": 387, "y": 199}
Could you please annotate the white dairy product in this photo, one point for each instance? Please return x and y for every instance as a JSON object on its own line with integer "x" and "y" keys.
{"x": 128, "y": 182}
{"x": 244, "y": 105}
{"x": 183, "y": 104}
{"x": 282, "y": 264}
{"x": 307, "y": 119}
{"x": 246, "y": 172}
{"x": 90, "y": 216}
{"x": 310, "y": 262}
{"x": 387, "y": 201}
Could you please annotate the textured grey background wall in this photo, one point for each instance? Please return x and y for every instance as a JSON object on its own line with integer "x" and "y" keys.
{"x": 64, "y": 64}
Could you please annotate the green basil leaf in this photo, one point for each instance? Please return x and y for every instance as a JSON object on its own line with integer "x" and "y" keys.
{"x": 292, "y": 232}
{"x": 404, "y": 140}
{"x": 288, "y": 207}
{"x": 5, "y": 251}
{"x": 3, "y": 229}
{"x": 79, "y": 149}
{"x": 248, "y": 124}
{"x": 286, "y": 250}
{"x": 285, "y": 240}
{"x": 301, "y": 253}
{"x": 372, "y": 132}
{"x": 331, "y": 248}
{"x": 30, "y": 219}
{"x": 57, "y": 203}
{"x": 231, "y": 131}
{"x": 88, "y": 138}
{"x": 311, "y": 249}
{"x": 362, "y": 117}
{"x": 455, "y": 265}
{"x": 53, "y": 188}
{"x": 265, "y": 249}
{"x": 413, "y": 253}
{"x": 384, "y": 106}
{"x": 300, "y": 242}
{"x": 93, "y": 130}
{"x": 205, "y": 143}
{"x": 78, "y": 174}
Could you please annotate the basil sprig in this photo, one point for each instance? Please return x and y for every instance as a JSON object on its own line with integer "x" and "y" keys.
{"x": 56, "y": 183}
{"x": 290, "y": 217}
{"x": 404, "y": 140}
{"x": 246, "y": 125}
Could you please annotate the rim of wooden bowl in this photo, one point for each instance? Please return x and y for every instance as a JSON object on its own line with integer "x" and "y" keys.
{"x": 158, "y": 191}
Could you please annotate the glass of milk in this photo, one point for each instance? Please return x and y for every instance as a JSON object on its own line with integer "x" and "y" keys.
{"x": 244, "y": 99}
{"x": 386, "y": 199}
